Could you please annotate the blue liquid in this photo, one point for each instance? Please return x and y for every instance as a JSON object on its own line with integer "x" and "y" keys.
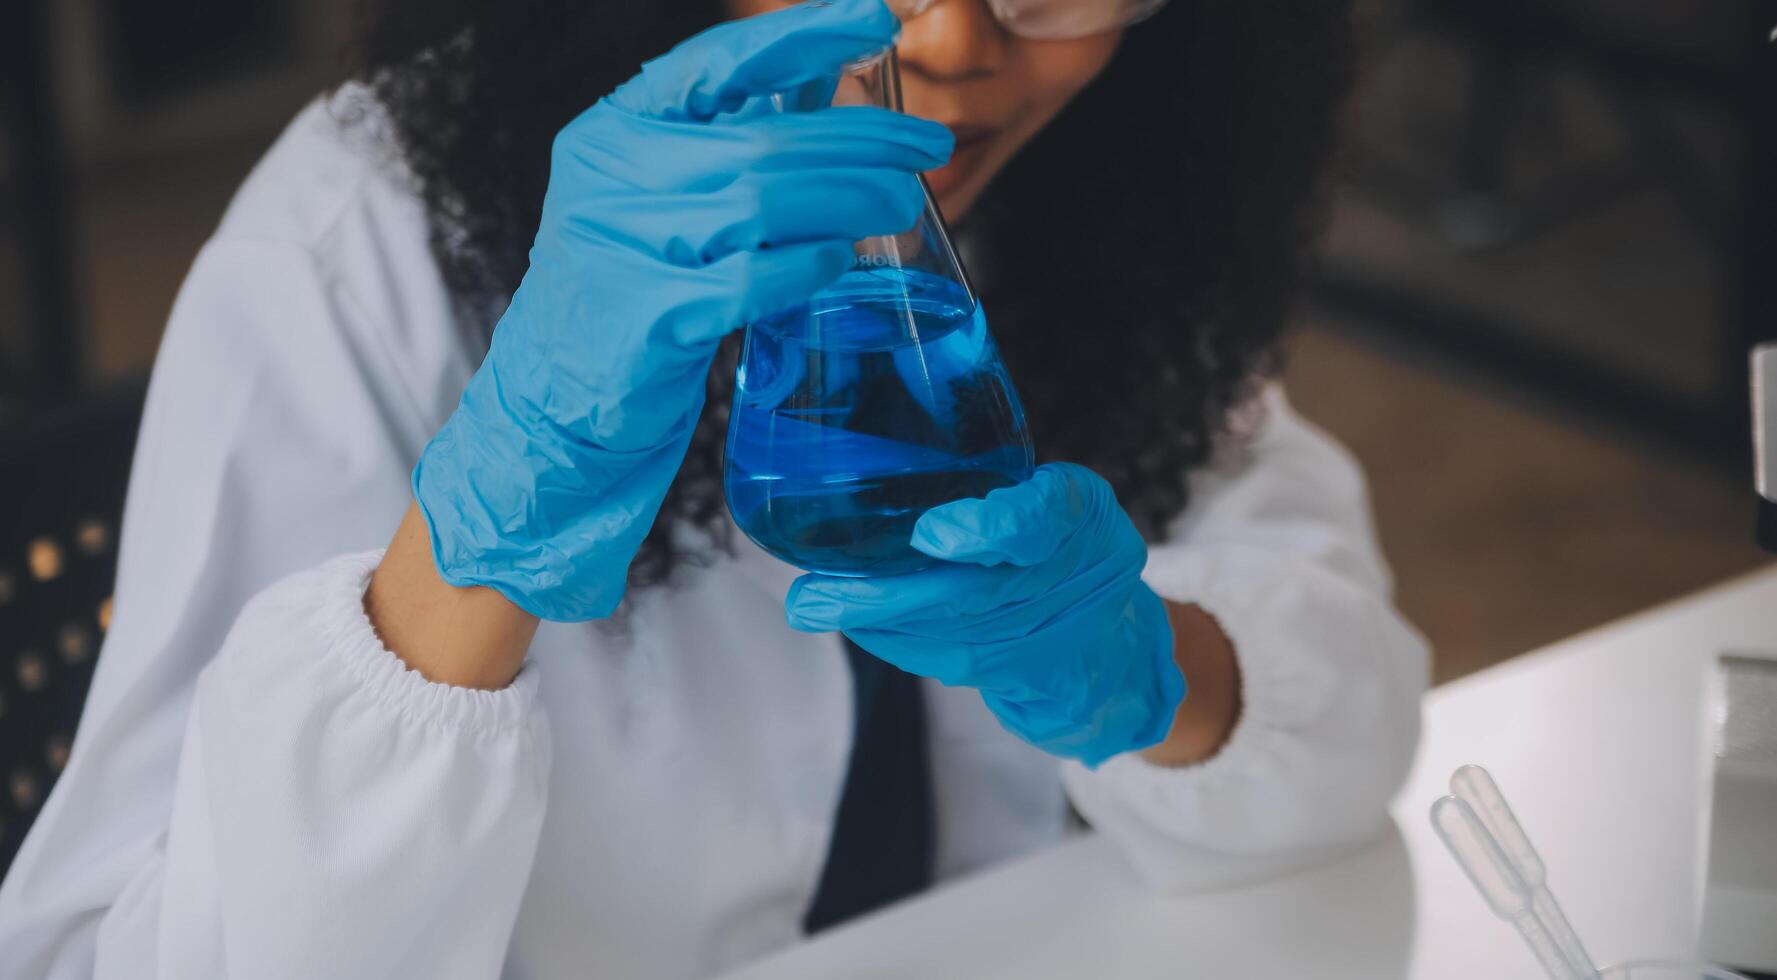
{"x": 844, "y": 429}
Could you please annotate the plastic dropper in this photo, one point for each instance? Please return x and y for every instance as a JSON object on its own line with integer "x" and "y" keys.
{"x": 1485, "y": 837}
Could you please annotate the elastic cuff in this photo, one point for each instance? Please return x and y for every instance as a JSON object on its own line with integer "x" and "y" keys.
{"x": 1247, "y": 741}
{"x": 1271, "y": 699}
{"x": 348, "y": 637}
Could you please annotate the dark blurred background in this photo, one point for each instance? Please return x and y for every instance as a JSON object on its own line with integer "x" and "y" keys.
{"x": 1548, "y": 256}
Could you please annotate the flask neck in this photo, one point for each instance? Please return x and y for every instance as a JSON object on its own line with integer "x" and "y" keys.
{"x": 917, "y": 269}
{"x": 871, "y": 81}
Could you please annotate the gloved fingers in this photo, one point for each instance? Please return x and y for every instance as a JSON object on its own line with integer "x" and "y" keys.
{"x": 1019, "y": 525}
{"x": 719, "y": 69}
{"x": 809, "y": 205}
{"x": 696, "y": 157}
{"x": 847, "y": 136}
{"x": 823, "y": 603}
{"x": 948, "y": 664}
{"x": 1036, "y": 719}
{"x": 747, "y": 286}
{"x": 946, "y": 600}
{"x": 763, "y": 211}
{"x": 1041, "y": 725}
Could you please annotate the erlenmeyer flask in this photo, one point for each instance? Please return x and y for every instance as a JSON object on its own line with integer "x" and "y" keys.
{"x": 880, "y": 398}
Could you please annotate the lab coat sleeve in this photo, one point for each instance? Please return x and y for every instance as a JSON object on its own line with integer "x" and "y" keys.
{"x": 286, "y": 409}
{"x": 1277, "y": 546}
{"x": 334, "y": 814}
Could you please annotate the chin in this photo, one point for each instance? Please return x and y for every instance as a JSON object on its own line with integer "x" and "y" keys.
{"x": 956, "y": 192}
{"x": 955, "y": 202}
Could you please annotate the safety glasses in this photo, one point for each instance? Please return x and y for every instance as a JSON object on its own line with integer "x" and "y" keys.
{"x": 1050, "y": 20}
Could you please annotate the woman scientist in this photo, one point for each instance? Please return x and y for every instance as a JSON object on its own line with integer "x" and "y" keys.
{"x": 306, "y": 759}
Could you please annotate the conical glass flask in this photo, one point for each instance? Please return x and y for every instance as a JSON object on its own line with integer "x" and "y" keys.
{"x": 880, "y": 398}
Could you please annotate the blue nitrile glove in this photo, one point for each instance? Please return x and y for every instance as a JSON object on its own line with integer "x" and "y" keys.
{"x": 676, "y": 212}
{"x": 1040, "y": 606}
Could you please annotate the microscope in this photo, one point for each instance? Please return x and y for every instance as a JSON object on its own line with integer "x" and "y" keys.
{"x": 1740, "y": 889}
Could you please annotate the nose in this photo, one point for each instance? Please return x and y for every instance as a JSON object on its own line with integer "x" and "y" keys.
{"x": 953, "y": 40}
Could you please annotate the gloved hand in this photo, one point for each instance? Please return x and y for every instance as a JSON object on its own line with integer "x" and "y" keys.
{"x": 1040, "y": 606}
{"x": 675, "y": 213}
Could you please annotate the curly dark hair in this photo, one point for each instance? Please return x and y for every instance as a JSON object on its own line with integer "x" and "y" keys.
{"x": 1137, "y": 260}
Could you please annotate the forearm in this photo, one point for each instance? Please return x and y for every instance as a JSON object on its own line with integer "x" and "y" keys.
{"x": 1211, "y": 707}
{"x": 464, "y": 637}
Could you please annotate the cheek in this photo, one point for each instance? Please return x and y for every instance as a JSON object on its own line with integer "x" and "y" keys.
{"x": 1056, "y": 71}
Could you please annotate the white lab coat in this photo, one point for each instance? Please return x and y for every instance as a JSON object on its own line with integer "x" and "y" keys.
{"x": 259, "y": 790}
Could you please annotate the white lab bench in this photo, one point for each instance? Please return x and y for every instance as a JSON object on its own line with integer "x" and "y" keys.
{"x": 1601, "y": 742}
